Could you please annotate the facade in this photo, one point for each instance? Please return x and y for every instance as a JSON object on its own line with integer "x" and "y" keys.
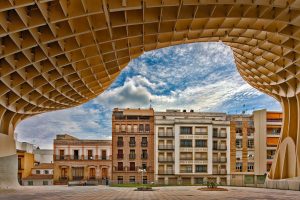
{"x": 191, "y": 147}
{"x": 132, "y": 145}
{"x": 268, "y": 127}
{"x": 87, "y": 161}
{"x": 254, "y": 140}
{"x": 25, "y": 160}
{"x": 41, "y": 174}
{"x": 43, "y": 155}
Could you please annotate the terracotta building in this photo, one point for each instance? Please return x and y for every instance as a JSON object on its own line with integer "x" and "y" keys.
{"x": 132, "y": 145}
{"x": 87, "y": 161}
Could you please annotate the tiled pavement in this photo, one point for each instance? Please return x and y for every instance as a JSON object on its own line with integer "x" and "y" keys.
{"x": 162, "y": 193}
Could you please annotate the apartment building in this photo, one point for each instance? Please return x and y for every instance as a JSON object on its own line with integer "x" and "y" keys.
{"x": 254, "y": 139}
{"x": 25, "y": 160}
{"x": 86, "y": 161}
{"x": 191, "y": 147}
{"x": 133, "y": 145}
{"x": 268, "y": 127}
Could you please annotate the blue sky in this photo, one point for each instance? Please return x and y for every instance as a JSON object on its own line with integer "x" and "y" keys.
{"x": 199, "y": 76}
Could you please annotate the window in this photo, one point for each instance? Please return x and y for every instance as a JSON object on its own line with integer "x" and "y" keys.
{"x": 239, "y": 167}
{"x": 250, "y": 143}
{"x": 103, "y": 154}
{"x": 120, "y": 179}
{"x": 135, "y": 128}
{"x": 144, "y": 154}
{"x": 161, "y": 130}
{"x": 123, "y": 128}
{"x": 144, "y": 166}
{"x": 239, "y": 123}
{"x": 186, "y": 143}
{"x": 30, "y": 182}
{"x": 45, "y": 182}
{"x": 61, "y": 154}
{"x": 120, "y": 166}
{"x": 147, "y": 128}
{"x": 250, "y": 167}
{"x": 199, "y": 181}
{"x": 90, "y": 154}
{"x": 186, "y": 130}
{"x": 201, "y": 130}
{"x": 145, "y": 180}
{"x": 141, "y": 128}
{"x": 144, "y": 142}
{"x": 201, "y": 168}
{"x": 215, "y": 131}
{"x": 19, "y": 163}
{"x": 132, "y": 179}
{"x": 38, "y": 172}
{"x": 129, "y": 128}
{"x": 132, "y": 166}
{"x": 46, "y": 172}
{"x": 120, "y": 154}
{"x": 201, "y": 143}
{"x": 117, "y": 128}
{"x": 132, "y": 141}
{"x": 132, "y": 154}
{"x": 132, "y": 117}
{"x": 239, "y": 130}
{"x": 76, "y": 154}
{"x": 238, "y": 143}
{"x": 120, "y": 142}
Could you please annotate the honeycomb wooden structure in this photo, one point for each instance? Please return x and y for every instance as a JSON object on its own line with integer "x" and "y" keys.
{"x": 57, "y": 54}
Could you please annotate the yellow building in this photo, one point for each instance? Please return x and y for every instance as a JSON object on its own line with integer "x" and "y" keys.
{"x": 25, "y": 164}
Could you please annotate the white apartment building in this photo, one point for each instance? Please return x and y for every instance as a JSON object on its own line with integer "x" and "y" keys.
{"x": 191, "y": 147}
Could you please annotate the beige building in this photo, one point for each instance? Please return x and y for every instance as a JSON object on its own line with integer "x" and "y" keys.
{"x": 254, "y": 140}
{"x": 41, "y": 174}
{"x": 133, "y": 145}
{"x": 77, "y": 160}
{"x": 191, "y": 147}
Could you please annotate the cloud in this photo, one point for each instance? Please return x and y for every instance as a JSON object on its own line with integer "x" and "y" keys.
{"x": 199, "y": 76}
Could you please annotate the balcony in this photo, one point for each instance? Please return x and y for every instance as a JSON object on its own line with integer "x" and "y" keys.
{"x": 61, "y": 157}
{"x": 250, "y": 146}
{"x": 120, "y": 168}
{"x": 144, "y": 156}
{"x": 220, "y": 160}
{"x": 166, "y": 172}
{"x": 220, "y": 171}
{"x": 166, "y": 147}
{"x": 220, "y": 147}
{"x": 167, "y": 134}
{"x": 132, "y": 144}
{"x": 120, "y": 156}
{"x": 120, "y": 143}
{"x": 144, "y": 144}
{"x": 165, "y": 159}
{"x": 132, "y": 156}
{"x": 186, "y": 158}
{"x": 270, "y": 157}
{"x": 75, "y": 157}
{"x": 89, "y": 157}
{"x": 77, "y": 178}
{"x": 200, "y": 158}
{"x": 201, "y": 133}
{"x": 219, "y": 135}
{"x": 186, "y": 171}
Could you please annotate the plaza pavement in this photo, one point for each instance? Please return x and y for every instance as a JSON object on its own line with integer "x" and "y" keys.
{"x": 160, "y": 193}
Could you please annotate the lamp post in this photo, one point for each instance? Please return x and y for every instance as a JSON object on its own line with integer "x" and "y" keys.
{"x": 142, "y": 171}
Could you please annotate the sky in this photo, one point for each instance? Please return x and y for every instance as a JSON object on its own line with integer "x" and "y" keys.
{"x": 200, "y": 76}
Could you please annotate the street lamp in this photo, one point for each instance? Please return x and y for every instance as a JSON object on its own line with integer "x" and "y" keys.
{"x": 142, "y": 171}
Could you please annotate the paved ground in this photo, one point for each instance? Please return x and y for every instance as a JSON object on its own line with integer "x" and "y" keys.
{"x": 161, "y": 193}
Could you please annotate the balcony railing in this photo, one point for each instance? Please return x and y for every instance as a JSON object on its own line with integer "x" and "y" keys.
{"x": 186, "y": 158}
{"x": 166, "y": 147}
{"x": 132, "y": 156}
{"x": 120, "y": 156}
{"x": 186, "y": 171}
{"x": 220, "y": 135}
{"x": 220, "y": 160}
{"x": 120, "y": 143}
{"x": 201, "y": 133}
{"x": 270, "y": 156}
{"x": 220, "y": 147}
{"x": 77, "y": 178}
{"x": 144, "y": 144}
{"x": 165, "y": 159}
{"x": 220, "y": 171}
{"x": 144, "y": 156}
{"x": 81, "y": 157}
{"x": 200, "y": 158}
{"x": 165, "y": 134}
{"x": 120, "y": 168}
{"x": 166, "y": 172}
{"x": 75, "y": 157}
{"x": 132, "y": 144}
